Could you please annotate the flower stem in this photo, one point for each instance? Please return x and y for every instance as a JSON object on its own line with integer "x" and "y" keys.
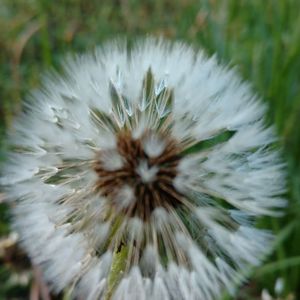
{"x": 117, "y": 269}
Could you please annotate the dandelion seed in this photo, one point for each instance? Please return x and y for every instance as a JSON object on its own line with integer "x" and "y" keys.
{"x": 157, "y": 155}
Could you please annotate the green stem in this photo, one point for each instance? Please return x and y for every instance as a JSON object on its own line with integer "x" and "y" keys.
{"x": 116, "y": 271}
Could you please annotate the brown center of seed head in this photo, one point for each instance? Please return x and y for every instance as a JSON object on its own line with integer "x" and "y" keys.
{"x": 142, "y": 181}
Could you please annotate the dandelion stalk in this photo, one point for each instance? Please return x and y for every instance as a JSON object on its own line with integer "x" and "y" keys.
{"x": 117, "y": 269}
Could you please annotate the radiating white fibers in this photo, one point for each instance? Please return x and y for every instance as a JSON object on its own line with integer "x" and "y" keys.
{"x": 153, "y": 153}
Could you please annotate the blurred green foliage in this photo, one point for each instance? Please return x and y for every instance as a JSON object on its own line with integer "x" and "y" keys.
{"x": 260, "y": 38}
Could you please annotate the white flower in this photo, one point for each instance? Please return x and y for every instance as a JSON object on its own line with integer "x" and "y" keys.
{"x": 156, "y": 153}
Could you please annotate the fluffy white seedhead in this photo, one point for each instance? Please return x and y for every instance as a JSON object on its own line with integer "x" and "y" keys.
{"x": 145, "y": 172}
{"x": 154, "y": 153}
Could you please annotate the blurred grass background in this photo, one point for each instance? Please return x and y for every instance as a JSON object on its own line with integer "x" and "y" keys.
{"x": 260, "y": 37}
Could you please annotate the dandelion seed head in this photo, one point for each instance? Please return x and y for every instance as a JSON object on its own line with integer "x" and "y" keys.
{"x": 155, "y": 152}
{"x": 146, "y": 178}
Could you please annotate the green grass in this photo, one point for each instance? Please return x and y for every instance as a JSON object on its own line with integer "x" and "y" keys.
{"x": 260, "y": 38}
